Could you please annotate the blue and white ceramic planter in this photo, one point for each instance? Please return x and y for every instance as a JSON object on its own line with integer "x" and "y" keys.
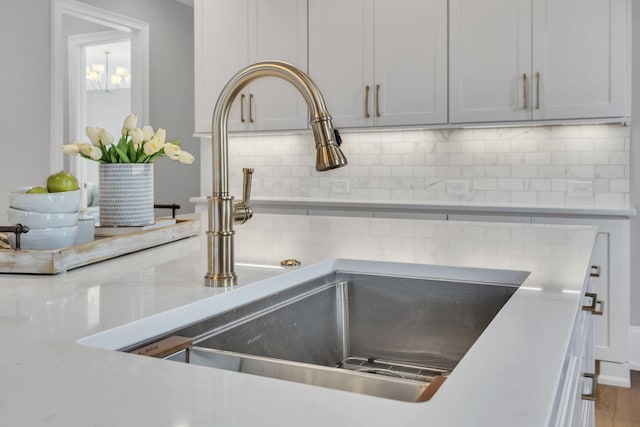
{"x": 126, "y": 194}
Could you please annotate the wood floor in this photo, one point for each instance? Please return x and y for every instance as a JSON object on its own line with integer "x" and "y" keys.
{"x": 619, "y": 407}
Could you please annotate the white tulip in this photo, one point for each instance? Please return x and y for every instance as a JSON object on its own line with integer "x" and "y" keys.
{"x": 84, "y": 148}
{"x": 185, "y": 157}
{"x": 130, "y": 123}
{"x": 95, "y": 153}
{"x": 91, "y": 151}
{"x": 105, "y": 137}
{"x": 172, "y": 151}
{"x": 94, "y": 135}
{"x": 152, "y": 146}
{"x": 161, "y": 135}
{"x": 137, "y": 135}
{"x": 147, "y": 132}
{"x": 71, "y": 149}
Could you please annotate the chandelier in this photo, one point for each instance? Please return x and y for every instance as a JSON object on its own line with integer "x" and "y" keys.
{"x": 98, "y": 75}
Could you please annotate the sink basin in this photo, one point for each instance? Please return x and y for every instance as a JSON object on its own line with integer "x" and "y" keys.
{"x": 384, "y": 334}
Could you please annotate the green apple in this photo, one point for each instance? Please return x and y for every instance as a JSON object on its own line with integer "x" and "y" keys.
{"x": 37, "y": 190}
{"x": 61, "y": 181}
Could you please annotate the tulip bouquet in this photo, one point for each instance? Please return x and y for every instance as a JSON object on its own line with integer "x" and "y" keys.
{"x": 134, "y": 146}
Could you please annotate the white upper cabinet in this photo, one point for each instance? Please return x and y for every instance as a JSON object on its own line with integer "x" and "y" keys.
{"x": 416, "y": 62}
{"x": 231, "y": 34}
{"x": 380, "y": 62}
{"x": 489, "y": 60}
{"x": 579, "y": 49}
{"x": 341, "y": 57}
{"x": 513, "y": 60}
{"x": 220, "y": 50}
{"x": 410, "y": 66}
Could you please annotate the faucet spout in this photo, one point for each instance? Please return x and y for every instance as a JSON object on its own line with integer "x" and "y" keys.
{"x": 222, "y": 211}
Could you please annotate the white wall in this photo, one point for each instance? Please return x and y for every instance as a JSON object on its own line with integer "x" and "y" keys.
{"x": 25, "y": 98}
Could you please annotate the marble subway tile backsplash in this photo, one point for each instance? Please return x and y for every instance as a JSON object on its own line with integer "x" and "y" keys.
{"x": 546, "y": 165}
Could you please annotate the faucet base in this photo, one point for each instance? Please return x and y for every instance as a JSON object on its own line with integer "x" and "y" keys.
{"x": 227, "y": 280}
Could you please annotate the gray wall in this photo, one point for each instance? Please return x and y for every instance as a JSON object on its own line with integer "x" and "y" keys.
{"x": 24, "y": 96}
{"x": 171, "y": 90}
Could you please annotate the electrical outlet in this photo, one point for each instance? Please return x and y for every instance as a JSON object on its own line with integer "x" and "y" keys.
{"x": 457, "y": 188}
{"x": 580, "y": 189}
{"x": 340, "y": 185}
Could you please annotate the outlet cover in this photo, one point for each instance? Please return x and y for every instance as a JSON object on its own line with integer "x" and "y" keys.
{"x": 580, "y": 189}
{"x": 457, "y": 188}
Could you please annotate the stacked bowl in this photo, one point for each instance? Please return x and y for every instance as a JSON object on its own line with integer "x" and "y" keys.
{"x": 52, "y": 218}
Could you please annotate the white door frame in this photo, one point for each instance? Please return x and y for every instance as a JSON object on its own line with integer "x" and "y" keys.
{"x": 139, "y": 34}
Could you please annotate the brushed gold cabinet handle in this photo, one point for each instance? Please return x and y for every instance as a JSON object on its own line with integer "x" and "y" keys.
{"x": 597, "y": 312}
{"x": 591, "y": 396}
{"x": 377, "y": 100}
{"x": 524, "y": 90}
{"x": 594, "y": 302}
{"x": 242, "y": 108}
{"x": 595, "y": 271}
{"x": 537, "y": 90}
{"x": 251, "y": 108}
{"x": 366, "y": 102}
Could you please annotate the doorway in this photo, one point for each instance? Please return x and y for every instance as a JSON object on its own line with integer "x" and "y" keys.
{"x": 99, "y": 96}
{"x": 86, "y": 36}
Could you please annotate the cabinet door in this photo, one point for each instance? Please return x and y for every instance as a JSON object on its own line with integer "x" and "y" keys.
{"x": 489, "y": 60}
{"x": 341, "y": 58}
{"x": 410, "y": 51}
{"x": 220, "y": 50}
{"x": 277, "y": 31}
{"x": 579, "y": 51}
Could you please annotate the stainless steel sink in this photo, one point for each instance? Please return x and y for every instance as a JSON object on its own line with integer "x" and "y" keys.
{"x": 382, "y": 335}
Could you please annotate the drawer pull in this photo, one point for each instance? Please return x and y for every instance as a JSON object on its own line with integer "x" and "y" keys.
{"x": 250, "y": 108}
{"x": 537, "y": 91}
{"x": 242, "y": 107}
{"x": 591, "y": 396}
{"x": 524, "y": 91}
{"x": 366, "y": 102}
{"x": 595, "y": 271}
{"x": 598, "y": 312}
{"x": 594, "y": 302}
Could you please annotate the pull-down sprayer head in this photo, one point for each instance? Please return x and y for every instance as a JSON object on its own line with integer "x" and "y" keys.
{"x": 328, "y": 153}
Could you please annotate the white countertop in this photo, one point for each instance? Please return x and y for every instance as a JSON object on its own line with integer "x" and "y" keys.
{"x": 433, "y": 206}
{"x": 509, "y": 376}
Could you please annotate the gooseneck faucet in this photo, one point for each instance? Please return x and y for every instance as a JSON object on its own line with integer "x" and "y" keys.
{"x": 223, "y": 212}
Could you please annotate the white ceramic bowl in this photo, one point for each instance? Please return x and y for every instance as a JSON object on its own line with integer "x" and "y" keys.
{"x": 41, "y": 239}
{"x": 35, "y": 220}
{"x": 66, "y": 201}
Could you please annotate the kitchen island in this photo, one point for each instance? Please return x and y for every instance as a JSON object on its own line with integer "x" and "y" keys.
{"x": 512, "y": 375}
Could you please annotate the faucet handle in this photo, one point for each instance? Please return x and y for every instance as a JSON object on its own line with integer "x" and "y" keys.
{"x": 246, "y": 184}
{"x": 242, "y": 211}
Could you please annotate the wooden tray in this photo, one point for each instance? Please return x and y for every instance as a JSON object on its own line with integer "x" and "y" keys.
{"x": 59, "y": 260}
